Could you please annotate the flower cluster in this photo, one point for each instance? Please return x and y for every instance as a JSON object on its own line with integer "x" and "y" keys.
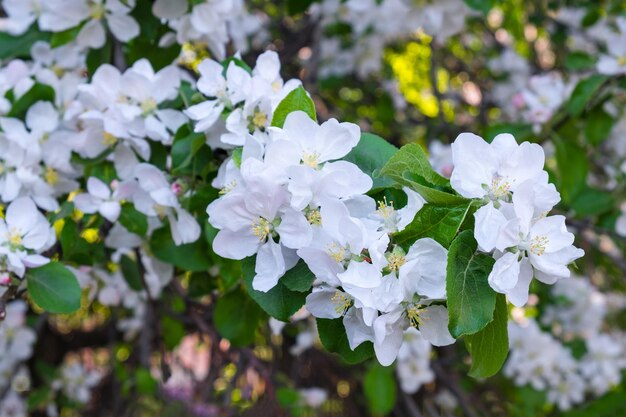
{"x": 510, "y": 180}
{"x": 16, "y": 345}
{"x": 374, "y": 24}
{"x": 295, "y": 200}
{"x": 211, "y": 22}
{"x": 543, "y": 360}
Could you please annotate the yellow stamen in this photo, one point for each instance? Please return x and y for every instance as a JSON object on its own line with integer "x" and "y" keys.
{"x": 538, "y": 245}
{"x": 311, "y": 159}
{"x": 108, "y": 139}
{"x": 15, "y": 237}
{"x": 336, "y": 252}
{"x": 259, "y": 119}
{"x": 148, "y": 106}
{"x": 51, "y": 176}
{"x": 261, "y": 228}
{"x": 385, "y": 210}
{"x": 395, "y": 260}
{"x": 314, "y": 217}
{"x": 342, "y": 302}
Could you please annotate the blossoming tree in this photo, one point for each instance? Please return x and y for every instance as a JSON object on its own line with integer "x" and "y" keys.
{"x": 201, "y": 215}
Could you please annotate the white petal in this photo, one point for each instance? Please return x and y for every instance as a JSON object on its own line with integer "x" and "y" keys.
{"x": 434, "y": 326}
{"x": 270, "y": 266}
{"x": 505, "y": 273}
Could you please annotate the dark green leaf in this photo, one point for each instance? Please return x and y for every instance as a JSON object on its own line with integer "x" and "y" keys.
{"x": 19, "y": 46}
{"x": 133, "y": 220}
{"x": 236, "y": 317}
{"x": 598, "y": 126}
{"x": 38, "y": 92}
{"x": 54, "y": 288}
{"x": 186, "y": 145}
{"x": 299, "y": 278}
{"x": 490, "y": 347}
{"x": 483, "y": 6}
{"x": 298, "y": 6}
{"x": 371, "y": 154}
{"x": 380, "y": 389}
{"x": 439, "y": 223}
{"x": 410, "y": 167}
{"x": 471, "y": 300}
{"x": 592, "y": 202}
{"x": 583, "y": 93}
{"x": 333, "y": 336}
{"x": 579, "y": 60}
{"x": 62, "y": 38}
{"x": 298, "y": 99}
{"x": 75, "y": 248}
{"x": 190, "y": 257}
{"x": 97, "y": 57}
{"x": 572, "y": 167}
{"x": 279, "y": 302}
{"x": 132, "y": 275}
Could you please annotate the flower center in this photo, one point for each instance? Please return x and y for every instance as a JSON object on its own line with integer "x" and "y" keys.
{"x": 336, "y": 252}
{"x": 385, "y": 210}
{"x": 621, "y": 61}
{"x": 342, "y": 302}
{"x": 538, "y": 245}
{"x": 311, "y": 159}
{"x": 314, "y": 217}
{"x": 396, "y": 260}
{"x": 500, "y": 187}
{"x": 52, "y": 177}
{"x": 261, "y": 228}
{"x": 148, "y": 106}
{"x": 97, "y": 11}
{"x": 108, "y": 139}
{"x": 259, "y": 119}
{"x": 414, "y": 314}
{"x": 15, "y": 238}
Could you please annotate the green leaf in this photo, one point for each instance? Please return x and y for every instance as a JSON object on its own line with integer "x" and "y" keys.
{"x": 371, "y": 154}
{"x": 333, "y": 336}
{"x": 579, "y": 61}
{"x": 97, "y": 57}
{"x": 410, "y": 167}
{"x": 483, "y": 6}
{"x": 583, "y": 93}
{"x": 146, "y": 384}
{"x": 572, "y": 167}
{"x": 186, "y": 145}
{"x": 131, "y": 273}
{"x": 490, "y": 346}
{"x": 173, "y": 330}
{"x": 598, "y": 125}
{"x": 592, "y": 202}
{"x": 133, "y": 220}
{"x": 279, "y": 302}
{"x": 237, "y": 61}
{"x": 38, "y": 92}
{"x": 380, "y": 389}
{"x": 74, "y": 247}
{"x": 64, "y": 37}
{"x": 298, "y": 99}
{"x": 236, "y": 317}
{"x": 298, "y": 6}
{"x": 521, "y": 131}
{"x": 299, "y": 278}
{"x": 19, "y": 46}
{"x": 54, "y": 288}
{"x": 190, "y": 257}
{"x": 441, "y": 223}
{"x": 471, "y": 300}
